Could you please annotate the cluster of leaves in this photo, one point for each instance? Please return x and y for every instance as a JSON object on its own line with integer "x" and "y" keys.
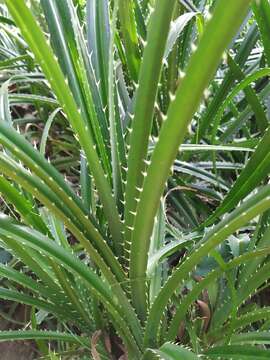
{"x": 134, "y": 159}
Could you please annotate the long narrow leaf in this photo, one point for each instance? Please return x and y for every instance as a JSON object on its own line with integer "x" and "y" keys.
{"x": 217, "y": 34}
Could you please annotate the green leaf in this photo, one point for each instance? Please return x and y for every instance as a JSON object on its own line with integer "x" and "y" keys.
{"x": 241, "y": 86}
{"x": 176, "y": 28}
{"x": 155, "y": 269}
{"x": 174, "y": 352}
{"x": 22, "y": 205}
{"x": 49, "y": 179}
{"x": 121, "y": 315}
{"x": 251, "y": 96}
{"x": 145, "y": 97}
{"x": 261, "y": 10}
{"x": 253, "y": 337}
{"x": 114, "y": 142}
{"x": 240, "y": 58}
{"x": 98, "y": 36}
{"x": 14, "y": 335}
{"x": 21, "y": 298}
{"x": 211, "y": 278}
{"x": 51, "y": 69}
{"x": 240, "y": 216}
{"x": 170, "y": 351}
{"x": 256, "y": 170}
{"x": 249, "y": 288}
{"x": 46, "y": 130}
{"x": 165, "y": 251}
{"x": 237, "y": 352}
{"x": 130, "y": 37}
{"x": 218, "y": 32}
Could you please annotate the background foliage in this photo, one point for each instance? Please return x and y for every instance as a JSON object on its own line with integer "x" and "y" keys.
{"x": 134, "y": 177}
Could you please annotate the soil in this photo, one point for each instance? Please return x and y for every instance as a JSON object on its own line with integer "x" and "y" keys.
{"x": 17, "y": 351}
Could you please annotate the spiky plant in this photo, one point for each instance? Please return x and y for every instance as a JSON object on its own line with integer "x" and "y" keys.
{"x": 111, "y": 232}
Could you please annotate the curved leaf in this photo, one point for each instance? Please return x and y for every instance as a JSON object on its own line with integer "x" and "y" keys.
{"x": 243, "y": 214}
{"x": 216, "y": 36}
{"x": 238, "y": 352}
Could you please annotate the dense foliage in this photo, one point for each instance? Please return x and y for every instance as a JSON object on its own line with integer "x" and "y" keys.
{"x": 134, "y": 156}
